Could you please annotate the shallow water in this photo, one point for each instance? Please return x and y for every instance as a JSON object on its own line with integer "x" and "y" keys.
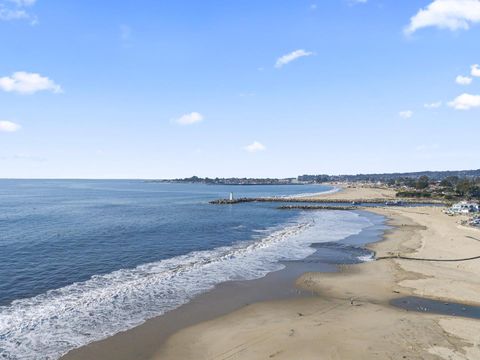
{"x": 419, "y": 304}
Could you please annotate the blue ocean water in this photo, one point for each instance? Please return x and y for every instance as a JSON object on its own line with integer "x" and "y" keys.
{"x": 81, "y": 260}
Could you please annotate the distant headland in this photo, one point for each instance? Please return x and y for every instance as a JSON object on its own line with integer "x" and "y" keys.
{"x": 387, "y": 178}
{"x": 440, "y": 185}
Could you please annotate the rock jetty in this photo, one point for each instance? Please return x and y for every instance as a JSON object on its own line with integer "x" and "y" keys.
{"x": 382, "y": 202}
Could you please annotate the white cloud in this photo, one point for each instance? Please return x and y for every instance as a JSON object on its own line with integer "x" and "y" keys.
{"x": 475, "y": 70}
{"x": 255, "y": 147}
{"x": 189, "y": 119}
{"x": 28, "y": 83}
{"x": 465, "y": 102}
{"x": 446, "y": 14}
{"x": 313, "y": 7}
{"x": 16, "y": 10}
{"x": 434, "y": 105}
{"x": 12, "y": 14}
{"x": 463, "y": 80}
{"x": 294, "y": 55}
{"x": 407, "y": 114}
{"x": 8, "y": 126}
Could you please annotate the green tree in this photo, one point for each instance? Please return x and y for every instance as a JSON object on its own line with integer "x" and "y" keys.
{"x": 463, "y": 186}
{"x": 422, "y": 182}
{"x": 449, "y": 181}
{"x": 410, "y": 182}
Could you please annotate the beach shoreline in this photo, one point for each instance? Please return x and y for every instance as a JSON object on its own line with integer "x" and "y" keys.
{"x": 227, "y": 297}
{"x": 351, "y": 317}
{"x": 142, "y": 342}
{"x": 348, "y": 314}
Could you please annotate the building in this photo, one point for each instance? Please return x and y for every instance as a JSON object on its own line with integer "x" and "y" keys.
{"x": 463, "y": 207}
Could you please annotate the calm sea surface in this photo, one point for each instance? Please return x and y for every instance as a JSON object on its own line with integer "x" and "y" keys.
{"x": 81, "y": 260}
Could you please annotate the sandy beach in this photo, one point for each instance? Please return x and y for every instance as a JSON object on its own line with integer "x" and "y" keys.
{"x": 354, "y": 192}
{"x": 349, "y": 315}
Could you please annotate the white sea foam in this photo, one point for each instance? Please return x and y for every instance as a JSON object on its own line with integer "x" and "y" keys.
{"x": 59, "y": 320}
{"x": 366, "y": 258}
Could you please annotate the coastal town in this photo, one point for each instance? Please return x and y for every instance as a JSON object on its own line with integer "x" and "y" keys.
{"x": 397, "y": 180}
{"x": 458, "y": 191}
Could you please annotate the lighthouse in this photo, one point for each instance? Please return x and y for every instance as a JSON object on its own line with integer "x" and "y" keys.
{"x": 231, "y": 196}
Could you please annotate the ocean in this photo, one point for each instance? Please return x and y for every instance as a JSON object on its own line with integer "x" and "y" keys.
{"x": 82, "y": 260}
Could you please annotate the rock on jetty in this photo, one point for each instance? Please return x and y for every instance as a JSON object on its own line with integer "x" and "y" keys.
{"x": 384, "y": 202}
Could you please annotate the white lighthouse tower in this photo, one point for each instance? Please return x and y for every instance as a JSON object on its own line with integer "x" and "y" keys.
{"x": 231, "y": 196}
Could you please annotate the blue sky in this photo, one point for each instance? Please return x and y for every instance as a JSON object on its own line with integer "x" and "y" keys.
{"x": 159, "y": 89}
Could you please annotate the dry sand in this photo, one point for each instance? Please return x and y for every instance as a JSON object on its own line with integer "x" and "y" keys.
{"x": 328, "y": 326}
{"x": 356, "y": 192}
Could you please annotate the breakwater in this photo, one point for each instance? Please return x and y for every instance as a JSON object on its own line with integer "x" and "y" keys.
{"x": 383, "y": 202}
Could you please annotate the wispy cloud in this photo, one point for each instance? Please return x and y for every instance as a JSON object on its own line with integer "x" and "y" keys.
{"x": 426, "y": 147}
{"x": 475, "y": 70}
{"x": 189, "y": 119}
{"x": 23, "y": 157}
{"x": 28, "y": 157}
{"x": 446, "y": 14}
{"x": 255, "y": 147}
{"x": 8, "y": 126}
{"x": 288, "y": 58}
{"x": 407, "y": 114}
{"x": 465, "y": 102}
{"x": 354, "y": 2}
{"x": 17, "y": 10}
{"x": 7, "y": 14}
{"x": 23, "y": 2}
{"x": 463, "y": 80}
{"x": 28, "y": 83}
{"x": 434, "y": 105}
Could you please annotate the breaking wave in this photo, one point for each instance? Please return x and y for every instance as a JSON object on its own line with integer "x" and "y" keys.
{"x": 59, "y": 320}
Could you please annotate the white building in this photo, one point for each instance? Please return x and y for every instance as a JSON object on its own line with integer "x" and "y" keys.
{"x": 464, "y": 207}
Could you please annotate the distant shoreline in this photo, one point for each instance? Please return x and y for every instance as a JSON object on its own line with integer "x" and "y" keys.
{"x": 227, "y": 184}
